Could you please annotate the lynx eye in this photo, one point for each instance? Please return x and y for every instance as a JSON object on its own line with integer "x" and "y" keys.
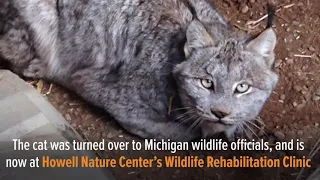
{"x": 206, "y": 83}
{"x": 242, "y": 88}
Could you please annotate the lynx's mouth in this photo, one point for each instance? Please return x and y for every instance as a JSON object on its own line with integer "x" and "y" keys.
{"x": 211, "y": 128}
{"x": 211, "y": 119}
{"x": 222, "y": 122}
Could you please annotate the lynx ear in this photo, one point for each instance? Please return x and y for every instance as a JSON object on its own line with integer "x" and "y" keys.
{"x": 197, "y": 36}
{"x": 264, "y": 45}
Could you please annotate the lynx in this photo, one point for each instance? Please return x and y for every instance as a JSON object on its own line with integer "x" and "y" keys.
{"x": 164, "y": 69}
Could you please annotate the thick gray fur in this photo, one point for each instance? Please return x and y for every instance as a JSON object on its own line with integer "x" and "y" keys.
{"x": 130, "y": 56}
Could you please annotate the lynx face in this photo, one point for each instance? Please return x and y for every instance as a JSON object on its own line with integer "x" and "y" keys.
{"x": 226, "y": 82}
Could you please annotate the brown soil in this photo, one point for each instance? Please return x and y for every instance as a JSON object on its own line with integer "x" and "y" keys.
{"x": 293, "y": 111}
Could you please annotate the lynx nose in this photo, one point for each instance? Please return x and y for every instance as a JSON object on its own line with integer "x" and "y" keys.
{"x": 219, "y": 113}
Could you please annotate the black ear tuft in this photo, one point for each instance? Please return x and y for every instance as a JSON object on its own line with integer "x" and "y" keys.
{"x": 271, "y": 10}
{"x": 271, "y": 15}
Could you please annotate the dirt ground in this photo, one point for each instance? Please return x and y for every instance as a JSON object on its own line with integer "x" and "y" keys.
{"x": 292, "y": 112}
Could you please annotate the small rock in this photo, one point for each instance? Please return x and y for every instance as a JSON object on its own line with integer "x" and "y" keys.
{"x": 62, "y": 106}
{"x": 300, "y": 106}
{"x": 104, "y": 135}
{"x": 295, "y": 104}
{"x": 89, "y": 116}
{"x": 252, "y": 1}
{"x": 277, "y": 63}
{"x": 74, "y": 125}
{"x": 314, "y": 57}
{"x": 76, "y": 113}
{"x": 110, "y": 135}
{"x": 279, "y": 135}
{"x": 316, "y": 98}
{"x": 300, "y": 4}
{"x": 291, "y": 54}
{"x": 311, "y": 49}
{"x": 297, "y": 88}
{"x": 304, "y": 92}
{"x": 303, "y": 68}
{"x": 68, "y": 117}
{"x": 282, "y": 97}
{"x": 244, "y": 9}
{"x": 300, "y": 133}
{"x": 316, "y": 124}
{"x": 290, "y": 61}
{"x": 318, "y": 92}
{"x": 296, "y": 23}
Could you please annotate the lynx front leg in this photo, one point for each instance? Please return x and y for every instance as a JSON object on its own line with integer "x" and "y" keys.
{"x": 35, "y": 69}
{"x": 17, "y": 50}
{"x": 17, "y": 42}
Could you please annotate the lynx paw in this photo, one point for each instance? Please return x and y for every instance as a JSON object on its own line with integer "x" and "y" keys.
{"x": 36, "y": 69}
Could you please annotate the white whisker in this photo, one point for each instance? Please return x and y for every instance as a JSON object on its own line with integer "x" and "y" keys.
{"x": 259, "y": 128}
{"x": 193, "y": 125}
{"x": 250, "y": 129}
{"x": 246, "y": 133}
